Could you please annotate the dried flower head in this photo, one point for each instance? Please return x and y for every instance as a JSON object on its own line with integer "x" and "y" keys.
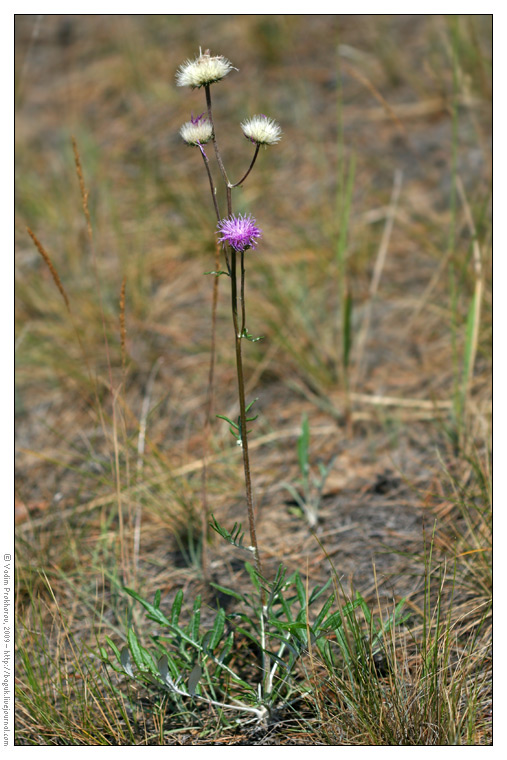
{"x": 239, "y": 231}
{"x": 261, "y": 130}
{"x": 197, "y": 131}
{"x": 205, "y": 69}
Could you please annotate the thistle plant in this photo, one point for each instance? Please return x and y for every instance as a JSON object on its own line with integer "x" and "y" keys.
{"x": 237, "y": 233}
{"x": 194, "y": 663}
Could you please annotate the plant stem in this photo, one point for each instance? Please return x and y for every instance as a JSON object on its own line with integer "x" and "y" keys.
{"x": 243, "y": 178}
{"x": 211, "y": 384}
{"x": 211, "y": 183}
{"x": 242, "y": 409}
{"x": 237, "y": 338}
{"x": 242, "y": 294}
{"x": 217, "y": 152}
{"x": 232, "y": 268}
{"x": 244, "y": 447}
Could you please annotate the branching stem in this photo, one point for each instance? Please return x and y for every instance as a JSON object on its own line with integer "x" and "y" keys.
{"x": 217, "y": 151}
{"x": 249, "y": 168}
{"x": 238, "y": 333}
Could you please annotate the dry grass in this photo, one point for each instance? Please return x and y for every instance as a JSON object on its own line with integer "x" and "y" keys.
{"x": 111, "y": 403}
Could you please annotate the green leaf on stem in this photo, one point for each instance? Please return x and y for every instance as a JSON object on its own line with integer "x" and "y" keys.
{"x": 235, "y": 537}
{"x": 250, "y": 337}
{"x": 155, "y": 614}
{"x": 222, "y": 417}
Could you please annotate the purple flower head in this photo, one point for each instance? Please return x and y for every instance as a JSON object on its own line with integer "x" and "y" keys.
{"x": 239, "y": 231}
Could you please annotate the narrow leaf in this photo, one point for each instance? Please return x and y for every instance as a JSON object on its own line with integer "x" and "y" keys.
{"x": 218, "y": 629}
{"x": 334, "y": 621}
{"x": 286, "y": 608}
{"x": 318, "y": 591}
{"x": 228, "y": 591}
{"x": 114, "y": 648}
{"x": 176, "y": 608}
{"x": 295, "y": 495}
{"x": 135, "y": 649}
{"x": 156, "y": 614}
{"x": 126, "y": 662}
{"x": 163, "y": 667}
{"x": 193, "y": 679}
{"x": 303, "y": 446}
{"x": 206, "y": 639}
{"x": 221, "y": 416}
{"x": 322, "y": 614}
{"x": 300, "y": 592}
{"x": 148, "y": 661}
{"x": 248, "y": 635}
{"x": 196, "y": 618}
{"x": 251, "y": 404}
{"x": 293, "y": 627}
{"x": 295, "y": 652}
{"x": 253, "y": 575}
{"x": 226, "y": 647}
{"x": 347, "y": 329}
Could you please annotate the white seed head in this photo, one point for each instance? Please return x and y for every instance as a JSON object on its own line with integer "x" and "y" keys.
{"x": 205, "y": 69}
{"x": 197, "y": 132}
{"x": 262, "y": 130}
